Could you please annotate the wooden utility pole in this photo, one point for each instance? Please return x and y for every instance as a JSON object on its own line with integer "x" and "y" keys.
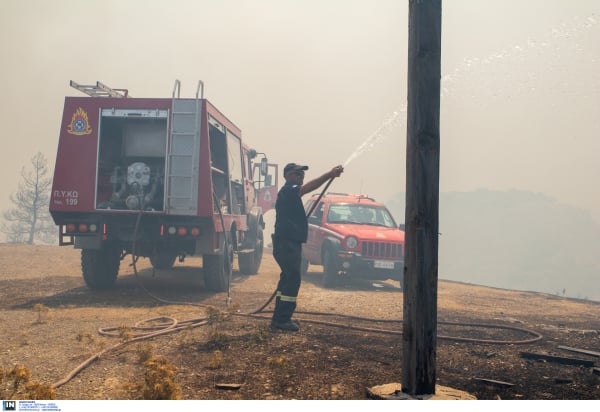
{"x": 419, "y": 336}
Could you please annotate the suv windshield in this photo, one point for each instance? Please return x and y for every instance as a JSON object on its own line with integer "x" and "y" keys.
{"x": 359, "y": 214}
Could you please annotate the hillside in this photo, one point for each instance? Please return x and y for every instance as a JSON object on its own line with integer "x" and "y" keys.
{"x": 516, "y": 240}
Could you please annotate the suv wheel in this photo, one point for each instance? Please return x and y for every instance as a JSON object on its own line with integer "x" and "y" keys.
{"x": 331, "y": 277}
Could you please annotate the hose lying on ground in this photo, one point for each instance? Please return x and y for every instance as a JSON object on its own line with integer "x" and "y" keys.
{"x": 154, "y": 327}
{"x": 149, "y": 328}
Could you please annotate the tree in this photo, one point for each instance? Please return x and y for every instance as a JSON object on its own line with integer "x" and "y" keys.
{"x": 30, "y": 219}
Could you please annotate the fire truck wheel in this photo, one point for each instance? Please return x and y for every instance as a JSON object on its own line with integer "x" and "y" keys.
{"x": 100, "y": 267}
{"x": 163, "y": 260}
{"x": 331, "y": 277}
{"x": 217, "y": 269}
{"x": 250, "y": 262}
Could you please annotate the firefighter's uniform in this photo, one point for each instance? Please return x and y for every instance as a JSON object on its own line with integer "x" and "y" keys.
{"x": 291, "y": 230}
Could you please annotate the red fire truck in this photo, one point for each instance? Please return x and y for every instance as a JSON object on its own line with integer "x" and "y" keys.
{"x": 162, "y": 178}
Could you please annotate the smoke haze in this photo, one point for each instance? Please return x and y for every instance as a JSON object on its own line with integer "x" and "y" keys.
{"x": 310, "y": 81}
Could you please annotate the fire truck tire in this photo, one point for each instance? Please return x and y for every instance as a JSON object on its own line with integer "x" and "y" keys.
{"x": 331, "y": 276}
{"x": 163, "y": 260}
{"x": 250, "y": 262}
{"x": 217, "y": 270}
{"x": 100, "y": 267}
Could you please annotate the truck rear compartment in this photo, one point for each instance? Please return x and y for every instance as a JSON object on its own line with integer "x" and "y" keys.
{"x": 131, "y": 161}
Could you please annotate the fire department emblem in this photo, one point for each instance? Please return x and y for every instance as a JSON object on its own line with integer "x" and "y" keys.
{"x": 80, "y": 124}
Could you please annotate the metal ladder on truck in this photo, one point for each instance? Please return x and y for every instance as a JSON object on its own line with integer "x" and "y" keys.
{"x": 99, "y": 90}
{"x": 183, "y": 153}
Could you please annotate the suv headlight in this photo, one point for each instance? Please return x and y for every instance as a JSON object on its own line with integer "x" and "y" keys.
{"x": 351, "y": 242}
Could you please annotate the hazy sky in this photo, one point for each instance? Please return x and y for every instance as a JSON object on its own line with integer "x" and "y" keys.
{"x": 309, "y": 81}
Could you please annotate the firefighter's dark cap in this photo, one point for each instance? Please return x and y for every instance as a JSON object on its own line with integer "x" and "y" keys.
{"x": 293, "y": 167}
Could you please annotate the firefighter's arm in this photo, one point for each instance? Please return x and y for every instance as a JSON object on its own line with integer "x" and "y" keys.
{"x": 318, "y": 182}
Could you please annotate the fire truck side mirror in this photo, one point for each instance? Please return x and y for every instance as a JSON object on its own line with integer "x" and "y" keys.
{"x": 264, "y": 166}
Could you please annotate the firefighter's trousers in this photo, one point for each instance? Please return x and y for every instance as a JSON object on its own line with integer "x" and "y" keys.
{"x": 288, "y": 255}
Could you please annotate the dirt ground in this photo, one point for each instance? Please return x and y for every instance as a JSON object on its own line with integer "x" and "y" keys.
{"x": 95, "y": 345}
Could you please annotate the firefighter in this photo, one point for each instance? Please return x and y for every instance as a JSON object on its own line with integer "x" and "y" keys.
{"x": 291, "y": 230}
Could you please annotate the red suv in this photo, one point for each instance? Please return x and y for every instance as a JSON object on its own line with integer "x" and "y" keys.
{"x": 353, "y": 235}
